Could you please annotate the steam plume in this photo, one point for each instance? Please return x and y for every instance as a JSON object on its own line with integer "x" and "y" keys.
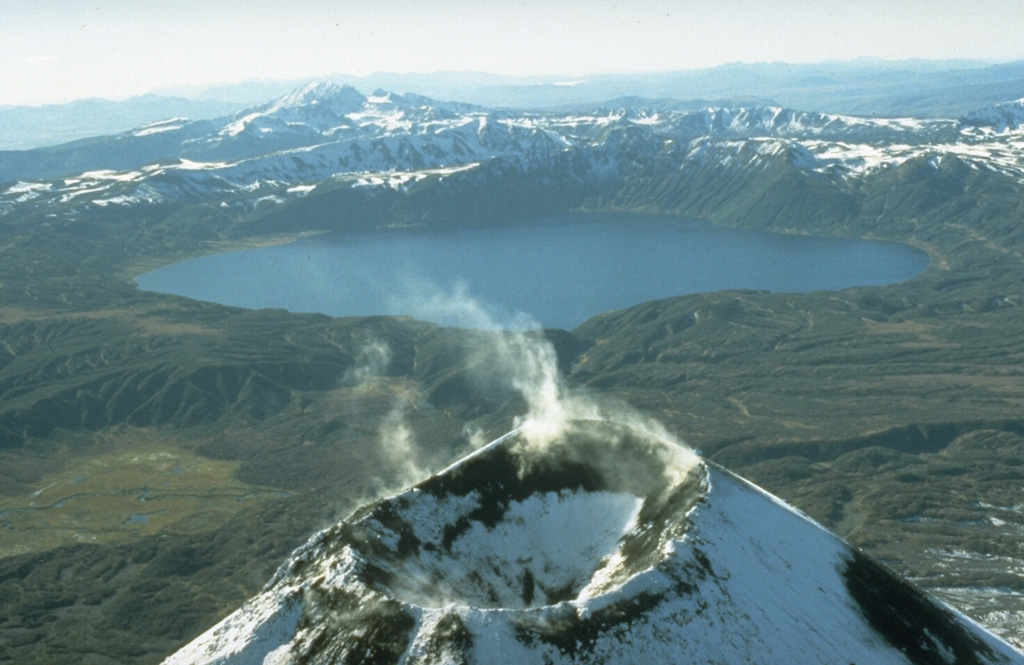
{"x": 398, "y": 443}
{"x": 397, "y": 448}
{"x": 370, "y": 363}
{"x": 522, "y": 358}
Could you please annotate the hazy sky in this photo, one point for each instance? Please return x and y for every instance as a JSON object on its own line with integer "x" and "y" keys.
{"x": 53, "y": 50}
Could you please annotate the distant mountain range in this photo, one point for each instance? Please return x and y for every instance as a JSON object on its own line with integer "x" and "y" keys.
{"x": 26, "y": 127}
{"x": 325, "y": 147}
{"x": 860, "y": 87}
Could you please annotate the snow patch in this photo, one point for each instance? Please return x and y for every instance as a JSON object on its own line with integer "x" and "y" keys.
{"x": 548, "y": 545}
{"x": 22, "y": 187}
{"x": 259, "y": 635}
{"x": 125, "y": 176}
{"x": 301, "y": 189}
{"x": 160, "y": 127}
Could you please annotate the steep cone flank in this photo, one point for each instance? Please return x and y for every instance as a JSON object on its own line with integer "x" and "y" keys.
{"x": 604, "y": 546}
{"x": 514, "y": 528}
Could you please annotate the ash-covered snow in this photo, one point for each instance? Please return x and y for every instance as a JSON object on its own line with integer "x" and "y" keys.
{"x": 548, "y": 543}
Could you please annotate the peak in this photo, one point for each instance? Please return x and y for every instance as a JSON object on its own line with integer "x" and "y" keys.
{"x": 381, "y": 96}
{"x": 320, "y": 87}
{"x": 599, "y": 544}
{"x": 1005, "y": 116}
{"x": 320, "y": 92}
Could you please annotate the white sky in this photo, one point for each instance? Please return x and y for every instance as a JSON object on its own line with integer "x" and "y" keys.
{"x": 53, "y": 50}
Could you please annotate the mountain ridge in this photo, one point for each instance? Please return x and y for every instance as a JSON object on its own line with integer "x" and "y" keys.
{"x": 922, "y": 89}
{"x": 280, "y": 150}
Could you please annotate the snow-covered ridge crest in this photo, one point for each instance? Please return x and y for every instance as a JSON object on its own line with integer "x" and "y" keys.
{"x": 999, "y": 118}
{"x": 324, "y": 132}
{"x": 315, "y": 93}
{"x": 608, "y": 545}
{"x": 320, "y": 107}
{"x": 169, "y": 125}
{"x": 328, "y": 109}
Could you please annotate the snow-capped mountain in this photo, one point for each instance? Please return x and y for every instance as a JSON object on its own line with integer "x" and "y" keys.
{"x": 1000, "y": 118}
{"x": 325, "y": 134}
{"x": 317, "y": 105}
{"x": 604, "y": 544}
{"x": 324, "y": 113}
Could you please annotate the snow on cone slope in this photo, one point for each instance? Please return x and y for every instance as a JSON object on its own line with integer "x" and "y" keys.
{"x": 608, "y": 546}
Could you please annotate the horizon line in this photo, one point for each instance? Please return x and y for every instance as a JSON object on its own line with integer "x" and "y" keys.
{"x": 194, "y": 91}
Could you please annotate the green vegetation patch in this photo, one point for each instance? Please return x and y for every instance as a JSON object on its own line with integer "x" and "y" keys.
{"x": 140, "y": 483}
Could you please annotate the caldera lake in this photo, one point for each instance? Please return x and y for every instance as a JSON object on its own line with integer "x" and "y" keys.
{"x": 553, "y": 273}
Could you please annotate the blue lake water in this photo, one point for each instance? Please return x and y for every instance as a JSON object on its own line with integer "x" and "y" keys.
{"x": 557, "y": 273}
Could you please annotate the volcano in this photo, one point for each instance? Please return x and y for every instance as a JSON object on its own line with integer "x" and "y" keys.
{"x": 603, "y": 544}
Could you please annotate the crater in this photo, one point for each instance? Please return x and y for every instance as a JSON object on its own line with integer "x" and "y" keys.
{"x": 546, "y": 549}
{"x": 520, "y": 526}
